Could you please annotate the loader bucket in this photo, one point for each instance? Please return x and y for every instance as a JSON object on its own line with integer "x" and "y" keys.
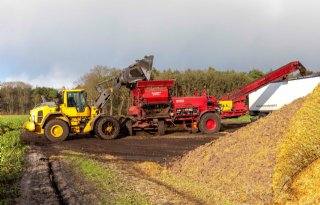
{"x": 140, "y": 70}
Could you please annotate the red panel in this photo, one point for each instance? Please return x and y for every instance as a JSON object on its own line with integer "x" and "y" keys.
{"x": 153, "y": 91}
{"x": 185, "y": 102}
{"x": 155, "y": 95}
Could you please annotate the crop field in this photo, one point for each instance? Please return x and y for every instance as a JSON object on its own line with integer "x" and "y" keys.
{"x": 11, "y": 122}
{"x": 11, "y": 156}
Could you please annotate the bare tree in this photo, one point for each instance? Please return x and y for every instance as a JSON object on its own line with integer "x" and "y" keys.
{"x": 15, "y": 97}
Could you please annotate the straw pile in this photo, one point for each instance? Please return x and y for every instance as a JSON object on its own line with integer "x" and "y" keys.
{"x": 240, "y": 165}
{"x": 299, "y": 147}
{"x": 304, "y": 188}
{"x": 268, "y": 161}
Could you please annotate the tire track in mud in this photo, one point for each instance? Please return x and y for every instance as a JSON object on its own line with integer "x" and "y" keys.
{"x": 54, "y": 185}
{"x": 43, "y": 182}
{"x": 35, "y": 185}
{"x": 64, "y": 188}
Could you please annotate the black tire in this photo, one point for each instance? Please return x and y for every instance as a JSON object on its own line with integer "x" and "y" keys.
{"x": 161, "y": 128}
{"x": 56, "y": 130}
{"x": 92, "y": 133}
{"x": 107, "y": 128}
{"x": 209, "y": 123}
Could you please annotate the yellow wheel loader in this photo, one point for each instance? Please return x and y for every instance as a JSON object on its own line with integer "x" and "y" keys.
{"x": 73, "y": 114}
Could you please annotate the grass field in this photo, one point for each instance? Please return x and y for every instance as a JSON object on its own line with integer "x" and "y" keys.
{"x": 12, "y": 152}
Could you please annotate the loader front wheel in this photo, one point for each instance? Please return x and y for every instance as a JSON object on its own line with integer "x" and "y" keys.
{"x": 209, "y": 123}
{"x": 107, "y": 128}
{"x": 56, "y": 130}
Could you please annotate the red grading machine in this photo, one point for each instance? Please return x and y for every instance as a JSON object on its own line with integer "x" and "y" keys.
{"x": 152, "y": 106}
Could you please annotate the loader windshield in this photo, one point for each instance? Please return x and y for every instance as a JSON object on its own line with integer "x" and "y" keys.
{"x": 78, "y": 100}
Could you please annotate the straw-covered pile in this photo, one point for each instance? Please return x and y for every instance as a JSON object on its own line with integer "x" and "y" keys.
{"x": 304, "y": 188}
{"x": 299, "y": 147}
{"x": 240, "y": 165}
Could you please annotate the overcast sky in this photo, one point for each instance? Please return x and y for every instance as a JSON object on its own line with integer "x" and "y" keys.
{"x": 54, "y": 42}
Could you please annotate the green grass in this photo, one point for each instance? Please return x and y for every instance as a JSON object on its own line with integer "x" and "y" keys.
{"x": 241, "y": 119}
{"x": 12, "y": 152}
{"x": 108, "y": 181}
{"x": 11, "y": 122}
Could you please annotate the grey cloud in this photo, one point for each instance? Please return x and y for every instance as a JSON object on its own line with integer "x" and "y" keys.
{"x": 37, "y": 35}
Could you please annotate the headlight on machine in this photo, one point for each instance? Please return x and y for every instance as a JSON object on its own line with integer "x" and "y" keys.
{"x": 29, "y": 126}
{"x": 33, "y": 118}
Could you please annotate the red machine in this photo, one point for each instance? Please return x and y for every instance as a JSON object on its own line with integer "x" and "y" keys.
{"x": 238, "y": 99}
{"x": 152, "y": 107}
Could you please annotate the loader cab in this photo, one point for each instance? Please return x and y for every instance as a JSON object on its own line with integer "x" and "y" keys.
{"x": 75, "y": 103}
{"x": 77, "y": 100}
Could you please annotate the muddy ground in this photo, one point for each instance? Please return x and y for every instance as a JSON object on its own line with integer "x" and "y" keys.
{"x": 142, "y": 147}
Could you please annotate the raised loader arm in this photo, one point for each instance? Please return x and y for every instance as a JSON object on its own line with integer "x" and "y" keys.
{"x": 140, "y": 70}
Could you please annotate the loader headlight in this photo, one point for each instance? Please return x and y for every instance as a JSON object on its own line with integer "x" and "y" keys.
{"x": 33, "y": 118}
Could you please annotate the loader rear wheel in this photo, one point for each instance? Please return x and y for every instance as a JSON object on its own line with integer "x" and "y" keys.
{"x": 209, "y": 123}
{"x": 161, "y": 128}
{"x": 56, "y": 130}
{"x": 107, "y": 128}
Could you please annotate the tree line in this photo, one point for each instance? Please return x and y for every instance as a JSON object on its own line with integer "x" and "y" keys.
{"x": 20, "y": 97}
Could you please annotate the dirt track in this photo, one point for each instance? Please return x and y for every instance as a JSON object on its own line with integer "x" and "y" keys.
{"x": 143, "y": 147}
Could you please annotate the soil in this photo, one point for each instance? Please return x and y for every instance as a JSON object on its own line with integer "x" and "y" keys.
{"x": 50, "y": 180}
{"x": 36, "y": 186}
{"x": 143, "y": 147}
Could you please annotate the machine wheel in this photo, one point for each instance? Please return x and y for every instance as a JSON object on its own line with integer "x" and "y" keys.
{"x": 107, "y": 128}
{"x": 56, "y": 130}
{"x": 209, "y": 123}
{"x": 161, "y": 128}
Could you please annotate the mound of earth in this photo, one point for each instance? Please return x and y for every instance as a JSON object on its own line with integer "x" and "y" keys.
{"x": 240, "y": 165}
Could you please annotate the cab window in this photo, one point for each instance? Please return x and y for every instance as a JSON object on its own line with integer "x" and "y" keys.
{"x": 77, "y": 100}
